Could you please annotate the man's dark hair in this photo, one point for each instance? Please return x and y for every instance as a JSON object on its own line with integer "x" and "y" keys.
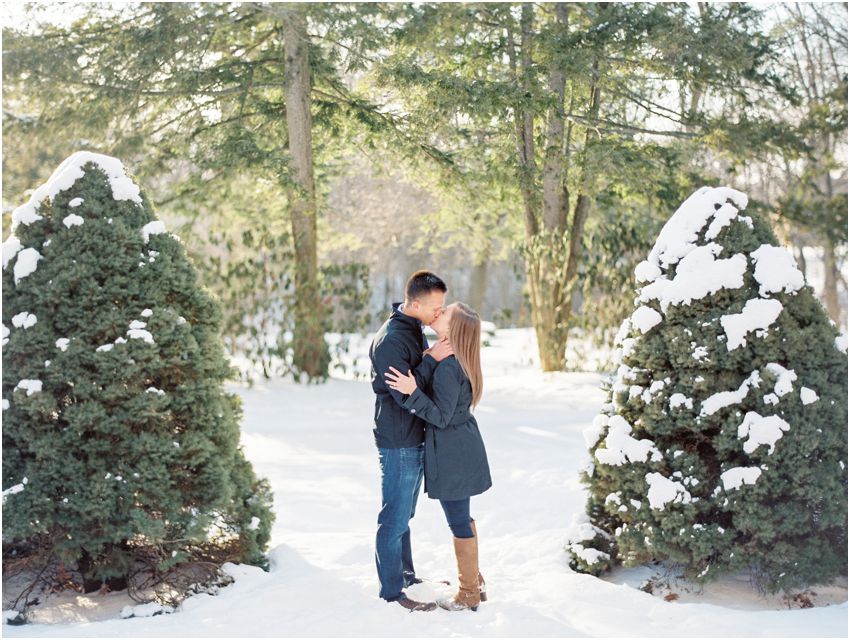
{"x": 422, "y": 283}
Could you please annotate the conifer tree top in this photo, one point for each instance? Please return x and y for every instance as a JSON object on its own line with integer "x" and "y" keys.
{"x": 687, "y": 249}
{"x": 679, "y": 235}
{"x": 67, "y": 173}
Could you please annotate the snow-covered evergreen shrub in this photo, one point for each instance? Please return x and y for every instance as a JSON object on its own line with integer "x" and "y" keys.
{"x": 117, "y": 432}
{"x": 723, "y": 444}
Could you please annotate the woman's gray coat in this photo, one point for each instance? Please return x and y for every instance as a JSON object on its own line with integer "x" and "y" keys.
{"x": 455, "y": 460}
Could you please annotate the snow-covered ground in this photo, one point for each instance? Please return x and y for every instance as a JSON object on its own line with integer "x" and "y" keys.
{"x": 315, "y": 444}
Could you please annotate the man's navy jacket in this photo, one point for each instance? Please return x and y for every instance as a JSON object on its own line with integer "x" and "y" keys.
{"x": 398, "y": 343}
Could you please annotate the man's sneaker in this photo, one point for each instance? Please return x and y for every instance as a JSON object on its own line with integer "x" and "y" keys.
{"x": 414, "y": 605}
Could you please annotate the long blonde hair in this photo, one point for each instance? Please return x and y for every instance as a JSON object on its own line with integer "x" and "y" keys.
{"x": 465, "y": 338}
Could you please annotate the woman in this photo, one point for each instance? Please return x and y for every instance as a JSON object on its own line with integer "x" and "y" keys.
{"x": 455, "y": 460}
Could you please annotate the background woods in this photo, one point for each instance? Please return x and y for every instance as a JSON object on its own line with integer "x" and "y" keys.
{"x": 311, "y": 155}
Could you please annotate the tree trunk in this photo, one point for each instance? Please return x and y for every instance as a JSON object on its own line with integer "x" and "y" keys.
{"x": 524, "y": 122}
{"x": 554, "y": 167}
{"x": 830, "y": 282}
{"x": 310, "y": 351}
{"x": 478, "y": 282}
{"x": 544, "y": 254}
{"x": 566, "y": 251}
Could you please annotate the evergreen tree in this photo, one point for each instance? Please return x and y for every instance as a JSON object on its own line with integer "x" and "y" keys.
{"x": 723, "y": 444}
{"x": 117, "y": 433}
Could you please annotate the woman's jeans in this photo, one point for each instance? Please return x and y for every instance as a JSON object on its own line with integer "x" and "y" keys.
{"x": 457, "y": 515}
{"x": 401, "y": 479}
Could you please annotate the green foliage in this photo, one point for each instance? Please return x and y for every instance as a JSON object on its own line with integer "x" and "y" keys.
{"x": 131, "y": 440}
{"x": 676, "y": 431}
{"x": 464, "y": 82}
{"x": 191, "y": 95}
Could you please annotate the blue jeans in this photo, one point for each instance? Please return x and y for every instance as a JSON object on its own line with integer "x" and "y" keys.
{"x": 402, "y": 471}
{"x": 457, "y": 515}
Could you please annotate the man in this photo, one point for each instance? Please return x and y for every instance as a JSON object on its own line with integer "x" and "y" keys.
{"x": 399, "y": 433}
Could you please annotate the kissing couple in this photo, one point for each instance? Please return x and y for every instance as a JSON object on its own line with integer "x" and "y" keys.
{"x": 424, "y": 428}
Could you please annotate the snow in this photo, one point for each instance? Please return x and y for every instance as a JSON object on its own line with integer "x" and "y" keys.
{"x": 654, "y": 388}
{"x": 10, "y": 247}
{"x": 321, "y": 460}
{"x": 620, "y": 447}
{"x": 72, "y": 219}
{"x": 26, "y": 263}
{"x": 679, "y": 235}
{"x": 146, "y": 313}
{"x": 5, "y": 404}
{"x": 737, "y": 476}
{"x": 628, "y": 346}
{"x": 644, "y": 318}
{"x": 153, "y": 228}
{"x": 255, "y": 522}
{"x": 138, "y": 324}
{"x": 155, "y": 390}
{"x": 105, "y": 347}
{"x": 583, "y": 530}
{"x": 140, "y": 334}
{"x": 76, "y": 202}
{"x": 776, "y": 270}
{"x": 145, "y": 610}
{"x": 663, "y": 490}
{"x": 24, "y": 320}
{"x": 591, "y": 434}
{"x": 680, "y": 399}
{"x": 62, "y": 344}
{"x": 757, "y": 314}
{"x": 841, "y": 343}
{"x": 646, "y": 272}
{"x": 32, "y": 386}
{"x": 623, "y": 331}
{"x": 588, "y": 554}
{"x": 5, "y": 334}
{"x": 761, "y": 430}
{"x": 722, "y": 217}
{"x": 699, "y": 353}
{"x": 14, "y": 489}
{"x": 808, "y": 396}
{"x": 698, "y": 274}
{"x": 721, "y": 399}
{"x": 785, "y": 378}
{"x": 64, "y": 177}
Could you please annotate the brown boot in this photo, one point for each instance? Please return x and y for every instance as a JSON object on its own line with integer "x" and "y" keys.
{"x": 468, "y": 595}
{"x": 481, "y": 586}
{"x": 415, "y": 605}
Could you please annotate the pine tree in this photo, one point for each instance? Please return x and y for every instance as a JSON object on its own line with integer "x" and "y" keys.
{"x": 117, "y": 434}
{"x": 723, "y": 443}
